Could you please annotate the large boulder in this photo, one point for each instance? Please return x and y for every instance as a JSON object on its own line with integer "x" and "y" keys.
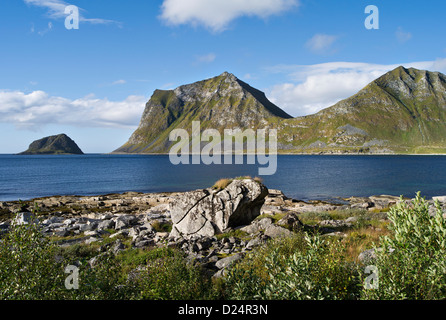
{"x": 209, "y": 212}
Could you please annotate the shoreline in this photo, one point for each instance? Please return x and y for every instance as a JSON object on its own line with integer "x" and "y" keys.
{"x": 140, "y": 201}
{"x": 333, "y": 200}
{"x": 244, "y": 154}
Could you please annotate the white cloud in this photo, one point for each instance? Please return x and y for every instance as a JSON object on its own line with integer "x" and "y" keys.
{"x": 56, "y": 10}
{"x": 321, "y": 43}
{"x": 207, "y": 58}
{"x": 315, "y": 87}
{"x": 218, "y": 14}
{"x": 119, "y": 82}
{"x": 402, "y": 35}
{"x": 37, "y": 109}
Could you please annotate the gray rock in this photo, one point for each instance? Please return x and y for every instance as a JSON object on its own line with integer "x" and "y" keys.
{"x": 61, "y": 232}
{"x": 383, "y": 201}
{"x": 220, "y": 274}
{"x": 335, "y": 223}
{"x": 4, "y": 226}
{"x": 440, "y": 199}
{"x": 106, "y": 224}
{"x": 274, "y": 231}
{"x": 118, "y": 246}
{"x": 291, "y": 220}
{"x": 257, "y": 225}
{"x": 351, "y": 220}
{"x": 209, "y": 212}
{"x": 57, "y": 225}
{"x": 125, "y": 221}
{"x": 144, "y": 243}
{"x": 335, "y": 234}
{"x": 362, "y": 205}
{"x": 255, "y": 242}
{"x": 51, "y": 220}
{"x": 91, "y": 240}
{"x": 226, "y": 262}
{"x": 69, "y": 221}
{"x": 23, "y": 218}
{"x": 91, "y": 233}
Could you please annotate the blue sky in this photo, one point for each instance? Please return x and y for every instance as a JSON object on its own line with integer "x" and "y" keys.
{"x": 93, "y": 83}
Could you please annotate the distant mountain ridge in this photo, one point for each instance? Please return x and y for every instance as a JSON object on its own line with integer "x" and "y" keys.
{"x": 403, "y": 111}
{"x": 58, "y": 144}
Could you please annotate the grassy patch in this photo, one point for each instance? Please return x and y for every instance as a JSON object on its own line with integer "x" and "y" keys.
{"x": 224, "y": 182}
{"x": 234, "y": 233}
{"x": 161, "y": 226}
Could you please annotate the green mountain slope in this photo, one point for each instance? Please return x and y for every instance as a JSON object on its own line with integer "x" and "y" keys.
{"x": 403, "y": 111}
{"x": 219, "y": 103}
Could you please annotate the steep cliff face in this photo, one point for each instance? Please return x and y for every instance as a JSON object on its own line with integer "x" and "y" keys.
{"x": 218, "y": 103}
{"x": 58, "y": 144}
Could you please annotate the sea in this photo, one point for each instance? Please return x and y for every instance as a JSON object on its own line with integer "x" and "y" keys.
{"x": 302, "y": 177}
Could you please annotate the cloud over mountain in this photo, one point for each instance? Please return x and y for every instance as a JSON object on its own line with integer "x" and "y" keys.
{"x": 218, "y": 14}
{"x": 311, "y": 88}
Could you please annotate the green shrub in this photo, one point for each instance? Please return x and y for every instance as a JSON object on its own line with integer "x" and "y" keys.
{"x": 411, "y": 262}
{"x": 29, "y": 269}
{"x": 32, "y": 267}
{"x": 298, "y": 268}
{"x": 168, "y": 276}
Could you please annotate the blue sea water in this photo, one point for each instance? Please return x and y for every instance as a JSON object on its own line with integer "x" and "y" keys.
{"x": 302, "y": 177}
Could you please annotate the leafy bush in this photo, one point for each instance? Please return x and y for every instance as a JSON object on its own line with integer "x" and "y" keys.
{"x": 29, "y": 269}
{"x": 168, "y": 276}
{"x": 301, "y": 267}
{"x": 411, "y": 262}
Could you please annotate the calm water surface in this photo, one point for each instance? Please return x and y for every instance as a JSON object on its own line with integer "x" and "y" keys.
{"x": 301, "y": 177}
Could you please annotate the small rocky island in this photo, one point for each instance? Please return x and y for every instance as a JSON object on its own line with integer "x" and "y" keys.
{"x": 58, "y": 144}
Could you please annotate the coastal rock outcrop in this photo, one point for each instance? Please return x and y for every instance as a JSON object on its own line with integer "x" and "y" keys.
{"x": 208, "y": 212}
{"x": 58, "y": 144}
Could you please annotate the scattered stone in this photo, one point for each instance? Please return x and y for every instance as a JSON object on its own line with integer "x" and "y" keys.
{"x": 335, "y": 223}
{"x": 91, "y": 240}
{"x": 196, "y": 217}
{"x": 291, "y": 220}
{"x": 106, "y": 224}
{"x": 23, "y": 218}
{"x": 257, "y": 225}
{"x": 144, "y": 243}
{"x": 335, "y": 234}
{"x": 226, "y": 262}
{"x": 440, "y": 199}
{"x": 274, "y": 231}
{"x": 351, "y": 220}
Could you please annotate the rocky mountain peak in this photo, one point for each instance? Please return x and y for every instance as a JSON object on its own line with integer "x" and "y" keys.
{"x": 213, "y": 88}
{"x": 221, "y": 102}
{"x": 413, "y": 83}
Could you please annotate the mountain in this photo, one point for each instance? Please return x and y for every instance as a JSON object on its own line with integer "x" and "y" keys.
{"x": 219, "y": 103}
{"x": 403, "y": 111}
{"x": 58, "y": 144}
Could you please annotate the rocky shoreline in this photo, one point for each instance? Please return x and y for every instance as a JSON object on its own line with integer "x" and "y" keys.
{"x": 226, "y": 223}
